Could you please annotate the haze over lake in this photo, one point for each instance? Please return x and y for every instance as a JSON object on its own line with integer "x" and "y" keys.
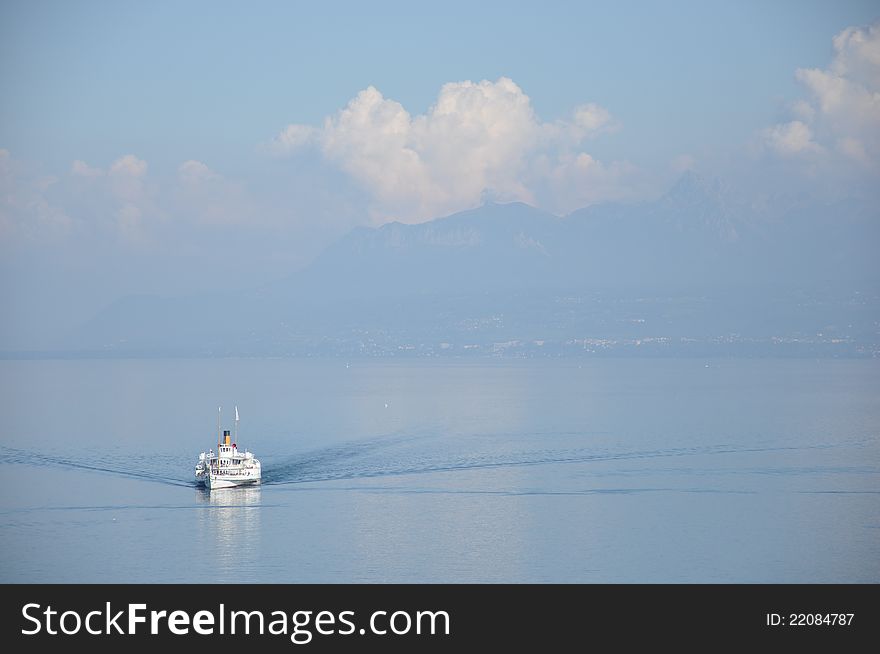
{"x": 633, "y": 470}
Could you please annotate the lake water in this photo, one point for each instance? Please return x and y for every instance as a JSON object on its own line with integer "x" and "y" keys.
{"x": 612, "y": 470}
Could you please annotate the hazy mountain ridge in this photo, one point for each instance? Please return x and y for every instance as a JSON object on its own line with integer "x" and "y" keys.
{"x": 697, "y": 263}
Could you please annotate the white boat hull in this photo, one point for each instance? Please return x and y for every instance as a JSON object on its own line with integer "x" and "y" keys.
{"x": 220, "y": 481}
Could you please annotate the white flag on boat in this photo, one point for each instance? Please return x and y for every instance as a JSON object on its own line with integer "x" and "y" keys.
{"x": 236, "y": 413}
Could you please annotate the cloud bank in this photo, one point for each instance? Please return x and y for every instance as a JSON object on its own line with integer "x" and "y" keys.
{"x": 122, "y": 201}
{"x": 26, "y": 213}
{"x": 478, "y": 141}
{"x": 477, "y": 138}
{"x": 841, "y": 117}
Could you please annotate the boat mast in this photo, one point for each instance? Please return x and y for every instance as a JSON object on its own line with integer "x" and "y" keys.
{"x": 219, "y": 433}
{"x": 235, "y": 440}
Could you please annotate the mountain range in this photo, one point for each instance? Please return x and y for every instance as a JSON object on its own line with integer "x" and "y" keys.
{"x": 697, "y": 265}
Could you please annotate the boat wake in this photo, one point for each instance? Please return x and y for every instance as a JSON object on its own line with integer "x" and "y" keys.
{"x": 388, "y": 456}
{"x": 354, "y": 462}
{"x": 121, "y": 466}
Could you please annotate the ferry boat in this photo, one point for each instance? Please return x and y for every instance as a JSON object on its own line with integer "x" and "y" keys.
{"x": 228, "y": 467}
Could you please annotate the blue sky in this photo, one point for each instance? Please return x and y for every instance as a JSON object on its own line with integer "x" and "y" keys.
{"x": 141, "y": 142}
{"x": 210, "y": 80}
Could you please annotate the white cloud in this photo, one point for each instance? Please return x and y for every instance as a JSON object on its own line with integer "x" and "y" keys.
{"x": 25, "y": 210}
{"x": 127, "y": 180}
{"x": 588, "y": 120}
{"x": 803, "y": 111}
{"x": 853, "y": 149}
{"x": 195, "y": 172}
{"x": 476, "y": 136}
{"x": 292, "y": 138}
{"x": 128, "y": 166}
{"x": 119, "y": 197}
{"x": 82, "y": 169}
{"x": 790, "y": 138}
{"x": 842, "y": 114}
{"x": 138, "y": 210}
{"x": 583, "y": 180}
{"x": 182, "y": 211}
{"x": 857, "y": 55}
{"x": 205, "y": 196}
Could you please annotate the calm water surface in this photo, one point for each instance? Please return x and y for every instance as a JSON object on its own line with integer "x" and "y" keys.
{"x": 615, "y": 470}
